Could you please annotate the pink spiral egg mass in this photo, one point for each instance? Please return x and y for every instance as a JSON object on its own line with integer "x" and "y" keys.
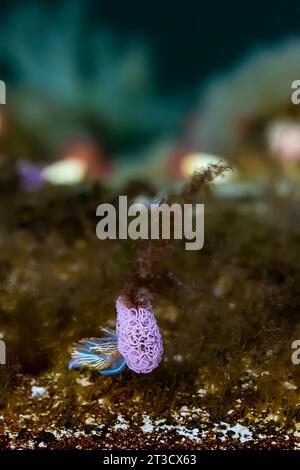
{"x": 139, "y": 338}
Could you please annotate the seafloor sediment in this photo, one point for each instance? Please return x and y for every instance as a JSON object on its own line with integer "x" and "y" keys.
{"x": 228, "y": 315}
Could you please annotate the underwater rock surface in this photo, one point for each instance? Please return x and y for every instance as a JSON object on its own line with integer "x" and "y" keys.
{"x": 228, "y": 315}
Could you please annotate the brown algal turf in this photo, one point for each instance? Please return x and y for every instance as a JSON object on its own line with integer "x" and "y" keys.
{"x": 228, "y": 315}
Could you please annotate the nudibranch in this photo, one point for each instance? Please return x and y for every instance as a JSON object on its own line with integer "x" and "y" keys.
{"x": 99, "y": 354}
{"x": 136, "y": 343}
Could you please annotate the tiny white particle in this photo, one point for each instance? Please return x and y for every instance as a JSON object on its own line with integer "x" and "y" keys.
{"x": 84, "y": 382}
{"x": 38, "y": 391}
{"x": 121, "y": 424}
{"x": 178, "y": 358}
{"x": 147, "y": 426}
{"x": 290, "y": 386}
{"x": 90, "y": 420}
